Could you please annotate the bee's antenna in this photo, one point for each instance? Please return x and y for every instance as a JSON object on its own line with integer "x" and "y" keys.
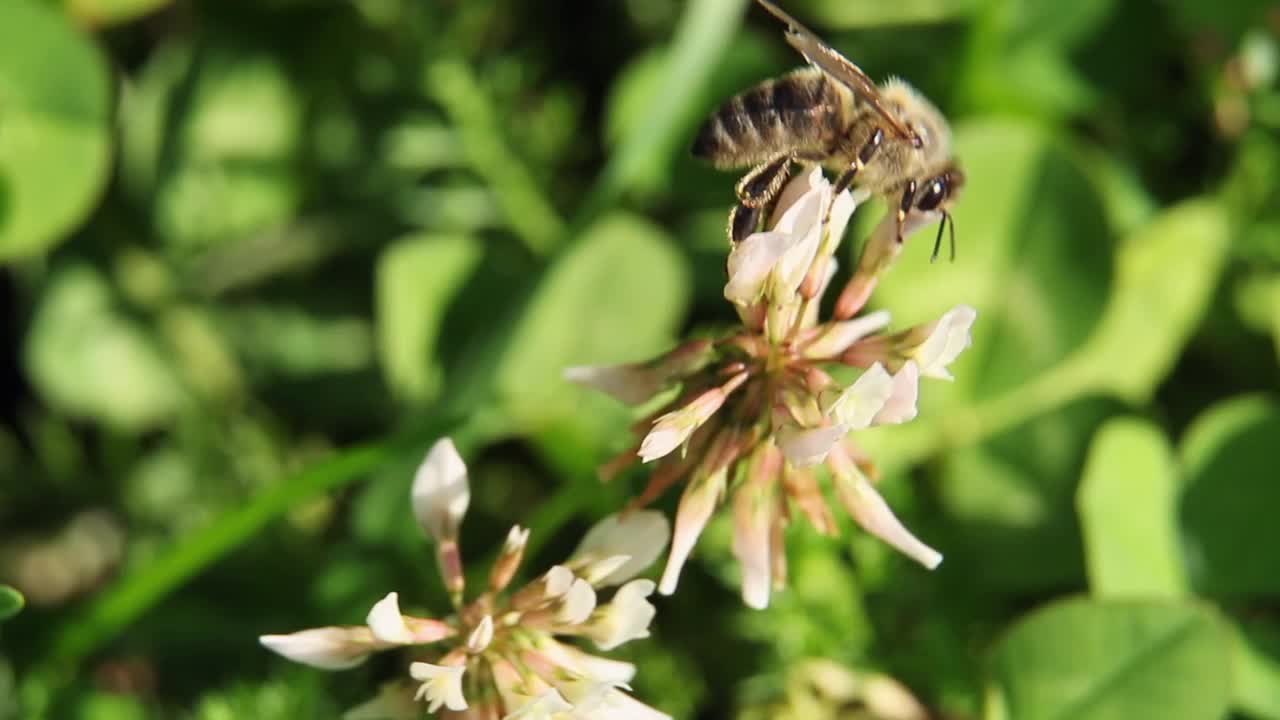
{"x": 937, "y": 242}
{"x": 952, "y": 218}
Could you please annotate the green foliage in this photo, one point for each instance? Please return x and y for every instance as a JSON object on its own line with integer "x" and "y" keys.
{"x": 55, "y": 111}
{"x": 1127, "y": 505}
{"x": 258, "y": 256}
{"x": 1097, "y": 660}
{"x": 11, "y": 602}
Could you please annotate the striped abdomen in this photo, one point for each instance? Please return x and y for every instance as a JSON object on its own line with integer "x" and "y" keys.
{"x": 802, "y": 112}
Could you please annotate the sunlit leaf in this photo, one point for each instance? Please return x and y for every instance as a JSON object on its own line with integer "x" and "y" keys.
{"x": 1165, "y": 276}
{"x": 233, "y": 133}
{"x": 54, "y": 127}
{"x": 1255, "y": 669}
{"x": 88, "y": 358}
{"x": 617, "y": 297}
{"x": 1112, "y": 660}
{"x": 416, "y": 279}
{"x": 1127, "y": 504}
{"x": 1230, "y": 497}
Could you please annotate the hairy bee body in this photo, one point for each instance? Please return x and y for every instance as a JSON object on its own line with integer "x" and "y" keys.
{"x": 811, "y": 117}
{"x": 803, "y": 112}
{"x": 884, "y": 140}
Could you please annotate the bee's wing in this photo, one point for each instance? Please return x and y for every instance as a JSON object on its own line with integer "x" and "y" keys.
{"x": 826, "y": 59}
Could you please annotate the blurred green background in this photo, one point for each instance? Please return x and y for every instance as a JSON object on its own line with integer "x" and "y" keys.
{"x": 256, "y": 256}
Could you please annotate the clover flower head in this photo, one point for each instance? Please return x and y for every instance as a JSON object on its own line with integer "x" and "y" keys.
{"x": 759, "y": 411}
{"x": 504, "y": 653}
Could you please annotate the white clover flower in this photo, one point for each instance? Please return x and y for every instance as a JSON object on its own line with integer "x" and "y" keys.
{"x": 509, "y": 639}
{"x": 441, "y": 685}
{"x": 948, "y": 337}
{"x": 549, "y": 705}
{"x": 441, "y": 493}
{"x": 387, "y": 623}
{"x": 577, "y": 604}
{"x": 858, "y": 404}
{"x": 638, "y": 537}
{"x": 671, "y": 430}
{"x": 632, "y": 384}
{"x": 838, "y": 336}
{"x": 900, "y": 407}
{"x": 479, "y": 639}
{"x": 809, "y": 446}
{"x": 751, "y": 441}
{"x": 700, "y": 500}
{"x": 625, "y": 618}
{"x": 873, "y": 514}
{"x": 329, "y": 648}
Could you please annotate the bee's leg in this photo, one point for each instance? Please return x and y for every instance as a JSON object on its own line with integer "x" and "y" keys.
{"x": 908, "y": 197}
{"x": 759, "y": 186}
{"x": 743, "y": 220}
{"x": 864, "y": 156}
{"x": 756, "y": 192}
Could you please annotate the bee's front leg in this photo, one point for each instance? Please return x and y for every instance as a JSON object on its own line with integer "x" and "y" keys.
{"x": 865, "y": 153}
{"x": 908, "y": 198}
{"x": 756, "y": 192}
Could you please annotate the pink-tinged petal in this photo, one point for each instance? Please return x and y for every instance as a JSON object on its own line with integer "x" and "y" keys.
{"x": 631, "y": 384}
{"x": 386, "y": 622}
{"x": 441, "y": 493}
{"x": 808, "y": 446}
{"x": 671, "y": 430}
{"x": 860, "y": 402}
{"x": 701, "y": 496}
{"x": 873, "y": 514}
{"x": 837, "y": 338}
{"x": 327, "y": 648}
{"x": 504, "y": 568}
{"x": 901, "y": 405}
{"x": 441, "y": 685}
{"x": 950, "y": 336}
{"x": 754, "y": 505}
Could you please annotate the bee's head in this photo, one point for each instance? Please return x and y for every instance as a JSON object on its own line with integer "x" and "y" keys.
{"x": 937, "y": 195}
{"x": 939, "y": 192}
{"x": 931, "y": 135}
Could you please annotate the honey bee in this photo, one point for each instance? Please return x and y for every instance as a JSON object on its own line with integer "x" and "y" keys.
{"x": 888, "y": 140}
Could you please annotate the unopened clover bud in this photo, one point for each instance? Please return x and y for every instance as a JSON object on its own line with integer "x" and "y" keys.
{"x": 441, "y": 493}
{"x": 327, "y": 648}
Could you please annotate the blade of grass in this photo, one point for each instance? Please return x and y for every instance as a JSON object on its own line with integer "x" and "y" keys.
{"x": 528, "y": 212}
{"x": 701, "y": 38}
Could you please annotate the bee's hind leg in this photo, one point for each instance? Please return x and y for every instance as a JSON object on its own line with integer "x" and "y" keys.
{"x": 756, "y": 192}
{"x": 743, "y": 220}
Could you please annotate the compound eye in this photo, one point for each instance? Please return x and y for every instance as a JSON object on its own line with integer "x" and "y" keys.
{"x": 934, "y": 193}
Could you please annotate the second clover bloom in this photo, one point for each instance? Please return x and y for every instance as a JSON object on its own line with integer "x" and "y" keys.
{"x": 761, "y": 410}
{"x": 502, "y": 653}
